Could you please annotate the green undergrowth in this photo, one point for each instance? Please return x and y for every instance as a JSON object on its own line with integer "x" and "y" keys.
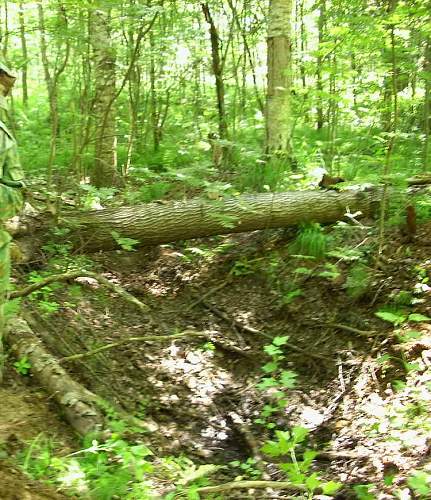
{"x": 123, "y": 465}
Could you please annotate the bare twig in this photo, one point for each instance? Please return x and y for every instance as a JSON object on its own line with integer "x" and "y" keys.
{"x": 145, "y": 338}
{"x": 351, "y": 329}
{"x": 157, "y": 338}
{"x": 242, "y": 485}
{"x": 249, "y": 329}
{"x": 208, "y": 294}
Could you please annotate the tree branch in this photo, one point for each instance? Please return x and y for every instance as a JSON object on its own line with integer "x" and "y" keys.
{"x": 81, "y": 274}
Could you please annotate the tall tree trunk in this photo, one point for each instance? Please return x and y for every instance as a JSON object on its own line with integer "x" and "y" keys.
{"x": 319, "y": 83}
{"x": 278, "y": 106}
{"x": 303, "y": 41}
{"x": 388, "y": 90}
{"x": 155, "y": 118}
{"x": 105, "y": 162}
{"x": 5, "y": 39}
{"x": 427, "y": 106}
{"x": 51, "y": 80}
{"x": 217, "y": 68}
{"x": 24, "y": 54}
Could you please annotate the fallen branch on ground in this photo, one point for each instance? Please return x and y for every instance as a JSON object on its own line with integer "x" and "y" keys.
{"x": 146, "y": 338}
{"x": 250, "y": 329}
{"x": 84, "y": 410}
{"x": 242, "y": 485}
{"x": 156, "y": 338}
{"x": 208, "y": 294}
{"x": 362, "y": 333}
{"x": 80, "y": 274}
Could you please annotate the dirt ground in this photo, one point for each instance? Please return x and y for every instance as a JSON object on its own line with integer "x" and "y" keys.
{"x": 26, "y": 412}
{"x": 202, "y": 395}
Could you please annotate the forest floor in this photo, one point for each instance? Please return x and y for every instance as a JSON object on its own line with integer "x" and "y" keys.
{"x": 362, "y": 391}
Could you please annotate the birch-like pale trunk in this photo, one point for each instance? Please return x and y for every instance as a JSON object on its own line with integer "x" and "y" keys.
{"x": 105, "y": 171}
{"x": 278, "y": 106}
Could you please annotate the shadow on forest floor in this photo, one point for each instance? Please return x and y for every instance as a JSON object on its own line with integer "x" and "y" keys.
{"x": 203, "y": 396}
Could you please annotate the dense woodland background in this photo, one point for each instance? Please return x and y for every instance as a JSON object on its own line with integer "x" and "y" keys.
{"x": 290, "y": 361}
{"x": 170, "y": 96}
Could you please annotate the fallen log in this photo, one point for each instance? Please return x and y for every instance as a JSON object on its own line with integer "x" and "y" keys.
{"x": 82, "y": 409}
{"x": 153, "y": 224}
{"x": 80, "y": 406}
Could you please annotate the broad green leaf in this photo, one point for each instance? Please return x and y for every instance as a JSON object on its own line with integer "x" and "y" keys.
{"x": 279, "y": 341}
{"x": 271, "y": 350}
{"x": 363, "y": 491}
{"x": 312, "y": 482}
{"x": 299, "y": 434}
{"x": 270, "y": 367}
{"x": 418, "y": 317}
{"x": 420, "y": 482}
{"x": 330, "y": 487}
{"x": 267, "y": 382}
{"x": 288, "y": 379}
{"x": 395, "y": 319}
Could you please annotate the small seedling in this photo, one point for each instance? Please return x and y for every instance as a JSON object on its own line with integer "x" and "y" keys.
{"x": 22, "y": 366}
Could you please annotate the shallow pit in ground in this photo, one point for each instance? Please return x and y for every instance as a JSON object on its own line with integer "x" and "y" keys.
{"x": 203, "y": 394}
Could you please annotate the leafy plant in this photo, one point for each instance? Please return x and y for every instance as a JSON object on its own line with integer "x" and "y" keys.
{"x": 311, "y": 241}
{"x": 279, "y": 379}
{"x": 247, "y": 468}
{"x": 358, "y": 281}
{"x": 244, "y": 267}
{"x": 420, "y": 483}
{"x": 154, "y": 191}
{"x": 22, "y": 366}
{"x": 127, "y": 244}
{"x": 397, "y": 317}
{"x": 331, "y": 272}
{"x": 297, "y": 470}
{"x": 289, "y": 297}
{"x": 363, "y": 491}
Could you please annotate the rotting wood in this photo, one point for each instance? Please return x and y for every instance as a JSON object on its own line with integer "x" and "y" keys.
{"x": 83, "y": 410}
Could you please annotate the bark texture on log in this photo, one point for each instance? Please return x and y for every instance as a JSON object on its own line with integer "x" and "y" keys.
{"x": 153, "y": 224}
{"x": 80, "y": 406}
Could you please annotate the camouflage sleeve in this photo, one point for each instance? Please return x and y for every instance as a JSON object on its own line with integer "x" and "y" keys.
{"x": 11, "y": 202}
{"x": 10, "y": 170}
{"x": 9, "y": 158}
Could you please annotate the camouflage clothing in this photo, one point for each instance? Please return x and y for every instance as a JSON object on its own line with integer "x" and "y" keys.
{"x": 10, "y": 203}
